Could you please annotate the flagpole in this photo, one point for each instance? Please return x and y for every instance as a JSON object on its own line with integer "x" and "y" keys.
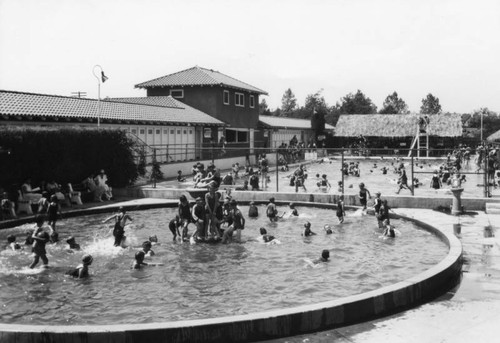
{"x": 103, "y": 78}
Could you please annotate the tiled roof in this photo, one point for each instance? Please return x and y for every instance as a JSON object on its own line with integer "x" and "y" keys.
{"x": 163, "y": 101}
{"x": 289, "y": 123}
{"x": 198, "y": 76}
{"x": 54, "y": 106}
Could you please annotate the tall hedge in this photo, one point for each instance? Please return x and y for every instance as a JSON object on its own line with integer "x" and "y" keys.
{"x": 65, "y": 155}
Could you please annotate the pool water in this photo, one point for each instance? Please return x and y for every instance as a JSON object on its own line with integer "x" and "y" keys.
{"x": 206, "y": 280}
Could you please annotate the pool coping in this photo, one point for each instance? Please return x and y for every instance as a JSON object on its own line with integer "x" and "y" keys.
{"x": 268, "y": 324}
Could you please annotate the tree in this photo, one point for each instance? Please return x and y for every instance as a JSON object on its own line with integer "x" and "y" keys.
{"x": 356, "y": 104}
{"x": 394, "y": 105}
{"x": 491, "y": 121}
{"x": 430, "y": 105}
{"x": 263, "y": 108}
{"x": 288, "y": 103}
{"x": 315, "y": 102}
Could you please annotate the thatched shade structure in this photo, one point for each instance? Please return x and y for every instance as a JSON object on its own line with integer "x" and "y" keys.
{"x": 495, "y": 137}
{"x": 397, "y": 125}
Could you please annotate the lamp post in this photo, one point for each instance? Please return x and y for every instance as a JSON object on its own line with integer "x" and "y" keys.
{"x": 102, "y": 78}
{"x": 481, "y": 125}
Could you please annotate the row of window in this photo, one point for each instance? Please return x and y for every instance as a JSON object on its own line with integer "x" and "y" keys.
{"x": 158, "y": 131}
{"x": 239, "y": 99}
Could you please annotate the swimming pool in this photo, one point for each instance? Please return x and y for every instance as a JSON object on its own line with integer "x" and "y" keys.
{"x": 202, "y": 281}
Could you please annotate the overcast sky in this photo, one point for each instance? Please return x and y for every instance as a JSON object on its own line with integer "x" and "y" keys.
{"x": 450, "y": 48}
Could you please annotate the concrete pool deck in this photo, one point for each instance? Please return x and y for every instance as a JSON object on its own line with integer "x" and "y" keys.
{"x": 469, "y": 312}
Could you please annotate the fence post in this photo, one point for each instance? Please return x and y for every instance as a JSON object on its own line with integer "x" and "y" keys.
{"x": 277, "y": 171}
{"x": 486, "y": 180}
{"x": 153, "y": 168}
{"x": 412, "y": 183}
{"x": 342, "y": 172}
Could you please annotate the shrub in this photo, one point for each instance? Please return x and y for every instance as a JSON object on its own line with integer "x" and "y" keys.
{"x": 65, "y": 155}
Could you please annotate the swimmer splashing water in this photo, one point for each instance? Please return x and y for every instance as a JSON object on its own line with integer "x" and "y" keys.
{"x": 120, "y": 222}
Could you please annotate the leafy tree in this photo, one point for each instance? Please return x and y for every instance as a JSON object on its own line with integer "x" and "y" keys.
{"x": 288, "y": 103}
{"x": 430, "y": 105}
{"x": 491, "y": 121}
{"x": 394, "y": 105}
{"x": 315, "y": 102}
{"x": 356, "y": 104}
{"x": 264, "y": 108}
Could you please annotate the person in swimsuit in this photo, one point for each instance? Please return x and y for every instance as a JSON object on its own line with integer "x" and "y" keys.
{"x": 146, "y": 247}
{"x": 198, "y": 215}
{"x": 139, "y": 260}
{"x": 307, "y": 230}
{"x": 340, "y": 211}
{"x": 40, "y": 238}
{"x": 271, "y": 210}
{"x": 213, "y": 211}
{"x": 82, "y": 270}
{"x": 363, "y": 192}
{"x": 264, "y": 236}
{"x": 120, "y": 222}
{"x": 325, "y": 255}
{"x": 72, "y": 243}
{"x": 12, "y": 244}
{"x": 53, "y": 210}
{"x": 253, "y": 211}
{"x": 294, "y": 212}
{"x": 174, "y": 225}
{"x": 237, "y": 225}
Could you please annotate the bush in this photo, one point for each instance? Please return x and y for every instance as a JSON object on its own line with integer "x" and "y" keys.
{"x": 65, "y": 155}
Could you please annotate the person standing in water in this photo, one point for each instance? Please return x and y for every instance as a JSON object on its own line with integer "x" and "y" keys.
{"x": 363, "y": 192}
{"x": 120, "y": 222}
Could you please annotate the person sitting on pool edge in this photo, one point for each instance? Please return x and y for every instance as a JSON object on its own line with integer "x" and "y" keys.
{"x": 82, "y": 270}
{"x": 325, "y": 256}
{"x": 307, "y": 230}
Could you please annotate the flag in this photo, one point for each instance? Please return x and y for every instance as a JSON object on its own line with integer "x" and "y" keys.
{"x": 103, "y": 77}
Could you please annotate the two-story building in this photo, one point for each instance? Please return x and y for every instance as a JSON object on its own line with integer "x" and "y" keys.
{"x": 232, "y": 101}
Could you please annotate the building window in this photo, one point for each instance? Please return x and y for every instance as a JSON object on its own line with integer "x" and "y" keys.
{"x": 158, "y": 131}
{"x": 190, "y": 132}
{"x": 239, "y": 99}
{"x": 165, "y": 132}
{"x": 178, "y": 132}
{"x": 185, "y": 131}
{"x": 150, "y": 131}
{"x": 172, "y": 132}
{"x": 141, "y": 131}
{"x": 177, "y": 93}
{"x": 252, "y": 101}
{"x": 234, "y": 136}
{"x": 134, "y": 131}
{"x": 225, "y": 97}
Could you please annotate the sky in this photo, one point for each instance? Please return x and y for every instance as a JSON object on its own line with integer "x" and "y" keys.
{"x": 450, "y": 48}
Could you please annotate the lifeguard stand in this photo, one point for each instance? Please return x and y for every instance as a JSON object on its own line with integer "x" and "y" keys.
{"x": 421, "y": 139}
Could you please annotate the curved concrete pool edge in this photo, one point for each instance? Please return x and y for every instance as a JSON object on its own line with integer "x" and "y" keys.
{"x": 269, "y": 324}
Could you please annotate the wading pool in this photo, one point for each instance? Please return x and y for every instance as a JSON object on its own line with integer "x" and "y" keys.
{"x": 206, "y": 280}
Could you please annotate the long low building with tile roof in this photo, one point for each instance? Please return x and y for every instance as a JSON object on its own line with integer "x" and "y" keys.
{"x": 279, "y": 130}
{"x": 177, "y": 127}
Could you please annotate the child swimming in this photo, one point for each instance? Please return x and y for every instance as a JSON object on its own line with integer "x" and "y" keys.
{"x": 82, "y": 270}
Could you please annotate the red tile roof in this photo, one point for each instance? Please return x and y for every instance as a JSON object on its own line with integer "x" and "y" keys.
{"x": 198, "y": 76}
{"x": 288, "y": 123}
{"x": 54, "y": 106}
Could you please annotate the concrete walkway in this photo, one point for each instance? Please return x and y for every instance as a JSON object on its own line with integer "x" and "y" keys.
{"x": 470, "y": 313}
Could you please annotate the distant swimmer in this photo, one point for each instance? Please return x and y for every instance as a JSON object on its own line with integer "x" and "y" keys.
{"x": 328, "y": 229}
{"x": 307, "y": 230}
{"x": 72, "y": 243}
{"x": 390, "y": 231}
{"x": 146, "y": 247}
{"x": 294, "y": 212}
{"x": 12, "y": 244}
{"x": 271, "y": 210}
{"x": 120, "y": 222}
{"x": 253, "y": 211}
{"x": 265, "y": 237}
{"x": 139, "y": 261}
{"x": 82, "y": 270}
{"x": 325, "y": 256}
